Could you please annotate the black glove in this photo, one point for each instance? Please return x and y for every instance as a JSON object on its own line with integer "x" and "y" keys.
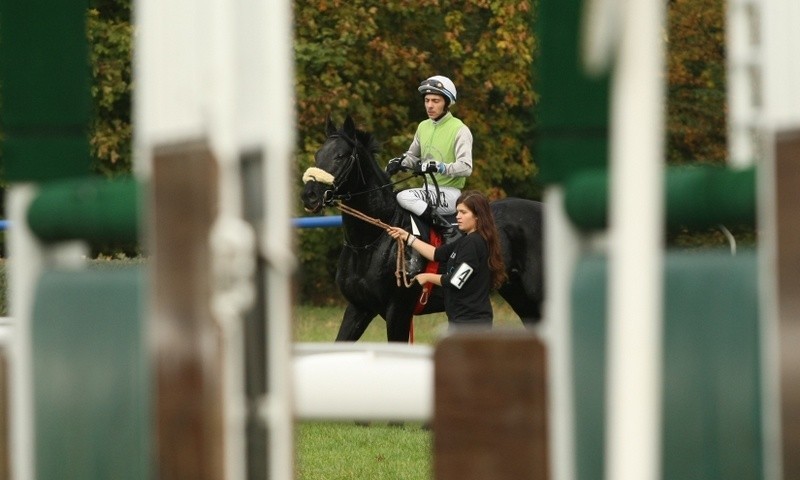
{"x": 394, "y": 165}
{"x": 429, "y": 166}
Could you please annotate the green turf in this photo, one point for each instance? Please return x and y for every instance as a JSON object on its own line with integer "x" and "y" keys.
{"x": 331, "y": 451}
{"x": 320, "y": 324}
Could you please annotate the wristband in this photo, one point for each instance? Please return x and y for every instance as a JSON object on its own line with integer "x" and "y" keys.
{"x": 411, "y": 239}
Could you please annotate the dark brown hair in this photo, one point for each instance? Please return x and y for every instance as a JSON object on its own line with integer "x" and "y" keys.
{"x": 478, "y": 204}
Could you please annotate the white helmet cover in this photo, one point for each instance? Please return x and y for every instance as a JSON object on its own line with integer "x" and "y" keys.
{"x": 440, "y": 85}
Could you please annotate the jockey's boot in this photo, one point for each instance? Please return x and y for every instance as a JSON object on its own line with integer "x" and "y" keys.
{"x": 434, "y": 218}
{"x": 449, "y": 235}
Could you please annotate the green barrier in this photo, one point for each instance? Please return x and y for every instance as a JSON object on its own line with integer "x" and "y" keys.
{"x": 572, "y": 111}
{"x": 91, "y": 382}
{"x": 45, "y": 78}
{"x": 711, "y": 400}
{"x": 696, "y": 197}
{"x": 93, "y": 209}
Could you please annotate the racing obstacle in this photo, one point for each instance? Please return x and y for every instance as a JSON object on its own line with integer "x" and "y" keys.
{"x": 665, "y": 362}
{"x": 729, "y": 368}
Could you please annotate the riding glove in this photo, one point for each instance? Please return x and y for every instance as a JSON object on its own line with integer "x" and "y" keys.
{"x": 394, "y": 165}
{"x": 430, "y": 166}
{"x": 404, "y": 162}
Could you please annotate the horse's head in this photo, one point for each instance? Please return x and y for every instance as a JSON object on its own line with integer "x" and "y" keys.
{"x": 338, "y": 169}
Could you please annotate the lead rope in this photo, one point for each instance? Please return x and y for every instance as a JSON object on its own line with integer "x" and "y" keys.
{"x": 400, "y": 267}
{"x": 400, "y": 273}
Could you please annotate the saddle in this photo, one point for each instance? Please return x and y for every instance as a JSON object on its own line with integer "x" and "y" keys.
{"x": 416, "y": 263}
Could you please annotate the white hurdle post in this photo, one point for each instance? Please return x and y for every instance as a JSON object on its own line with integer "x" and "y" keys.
{"x": 215, "y": 87}
{"x": 636, "y": 226}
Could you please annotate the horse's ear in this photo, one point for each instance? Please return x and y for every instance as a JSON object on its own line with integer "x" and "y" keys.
{"x": 349, "y": 127}
{"x": 330, "y": 128}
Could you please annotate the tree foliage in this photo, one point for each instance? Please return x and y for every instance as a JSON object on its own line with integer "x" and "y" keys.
{"x": 697, "y": 101}
{"x": 110, "y": 37}
{"x": 696, "y": 107}
{"x": 366, "y": 57}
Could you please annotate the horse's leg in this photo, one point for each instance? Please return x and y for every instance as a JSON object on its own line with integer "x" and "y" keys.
{"x": 398, "y": 324}
{"x": 528, "y": 309}
{"x": 354, "y": 323}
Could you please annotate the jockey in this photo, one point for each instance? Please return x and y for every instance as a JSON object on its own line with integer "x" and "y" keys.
{"x": 442, "y": 146}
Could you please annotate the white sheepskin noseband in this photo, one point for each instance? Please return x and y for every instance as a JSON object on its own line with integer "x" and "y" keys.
{"x": 314, "y": 174}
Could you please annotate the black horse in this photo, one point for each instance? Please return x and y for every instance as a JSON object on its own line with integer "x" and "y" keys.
{"x": 346, "y": 170}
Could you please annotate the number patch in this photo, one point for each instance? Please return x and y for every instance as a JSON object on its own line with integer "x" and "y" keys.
{"x": 461, "y": 275}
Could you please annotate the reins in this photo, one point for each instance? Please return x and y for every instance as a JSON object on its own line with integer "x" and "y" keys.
{"x": 400, "y": 272}
{"x": 332, "y": 197}
{"x": 347, "y": 196}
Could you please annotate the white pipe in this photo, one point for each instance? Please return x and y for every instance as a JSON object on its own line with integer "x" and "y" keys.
{"x": 25, "y": 265}
{"x": 781, "y": 71}
{"x": 277, "y": 103}
{"x": 781, "y": 112}
{"x": 6, "y": 334}
{"x": 600, "y": 34}
{"x": 743, "y": 77}
{"x": 369, "y": 382}
{"x": 232, "y": 239}
{"x": 633, "y": 409}
{"x": 769, "y": 326}
{"x": 562, "y": 248}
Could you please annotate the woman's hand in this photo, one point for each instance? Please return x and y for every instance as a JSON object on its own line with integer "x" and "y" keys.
{"x": 424, "y": 278}
{"x": 397, "y": 232}
{"x": 425, "y": 249}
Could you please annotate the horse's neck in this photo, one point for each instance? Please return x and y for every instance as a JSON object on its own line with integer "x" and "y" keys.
{"x": 379, "y": 204}
{"x": 378, "y": 199}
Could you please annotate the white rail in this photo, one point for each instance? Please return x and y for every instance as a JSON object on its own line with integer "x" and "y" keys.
{"x": 364, "y": 381}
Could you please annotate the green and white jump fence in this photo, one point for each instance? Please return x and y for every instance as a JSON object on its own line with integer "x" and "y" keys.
{"x": 665, "y": 363}
{"x": 660, "y": 363}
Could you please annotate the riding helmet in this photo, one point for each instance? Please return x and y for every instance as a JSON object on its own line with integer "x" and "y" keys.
{"x": 440, "y": 85}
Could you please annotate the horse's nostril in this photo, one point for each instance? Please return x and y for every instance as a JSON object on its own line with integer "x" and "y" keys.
{"x": 309, "y": 195}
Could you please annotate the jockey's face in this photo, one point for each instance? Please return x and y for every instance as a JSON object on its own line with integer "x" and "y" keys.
{"x": 434, "y": 106}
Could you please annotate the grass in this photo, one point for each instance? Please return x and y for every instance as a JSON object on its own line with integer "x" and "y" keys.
{"x": 333, "y": 451}
{"x": 320, "y": 324}
{"x": 344, "y": 451}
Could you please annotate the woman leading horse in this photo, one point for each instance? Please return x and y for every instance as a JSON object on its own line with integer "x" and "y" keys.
{"x": 473, "y": 262}
{"x": 347, "y": 173}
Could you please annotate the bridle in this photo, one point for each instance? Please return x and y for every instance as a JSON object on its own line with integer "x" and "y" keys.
{"x": 331, "y": 195}
{"x": 316, "y": 174}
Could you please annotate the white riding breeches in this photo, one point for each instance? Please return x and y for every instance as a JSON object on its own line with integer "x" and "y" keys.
{"x": 416, "y": 200}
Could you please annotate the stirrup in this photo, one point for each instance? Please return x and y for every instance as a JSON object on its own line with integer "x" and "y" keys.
{"x": 437, "y": 220}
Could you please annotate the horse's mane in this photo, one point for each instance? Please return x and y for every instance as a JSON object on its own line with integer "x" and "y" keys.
{"x": 368, "y": 142}
{"x": 365, "y": 142}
